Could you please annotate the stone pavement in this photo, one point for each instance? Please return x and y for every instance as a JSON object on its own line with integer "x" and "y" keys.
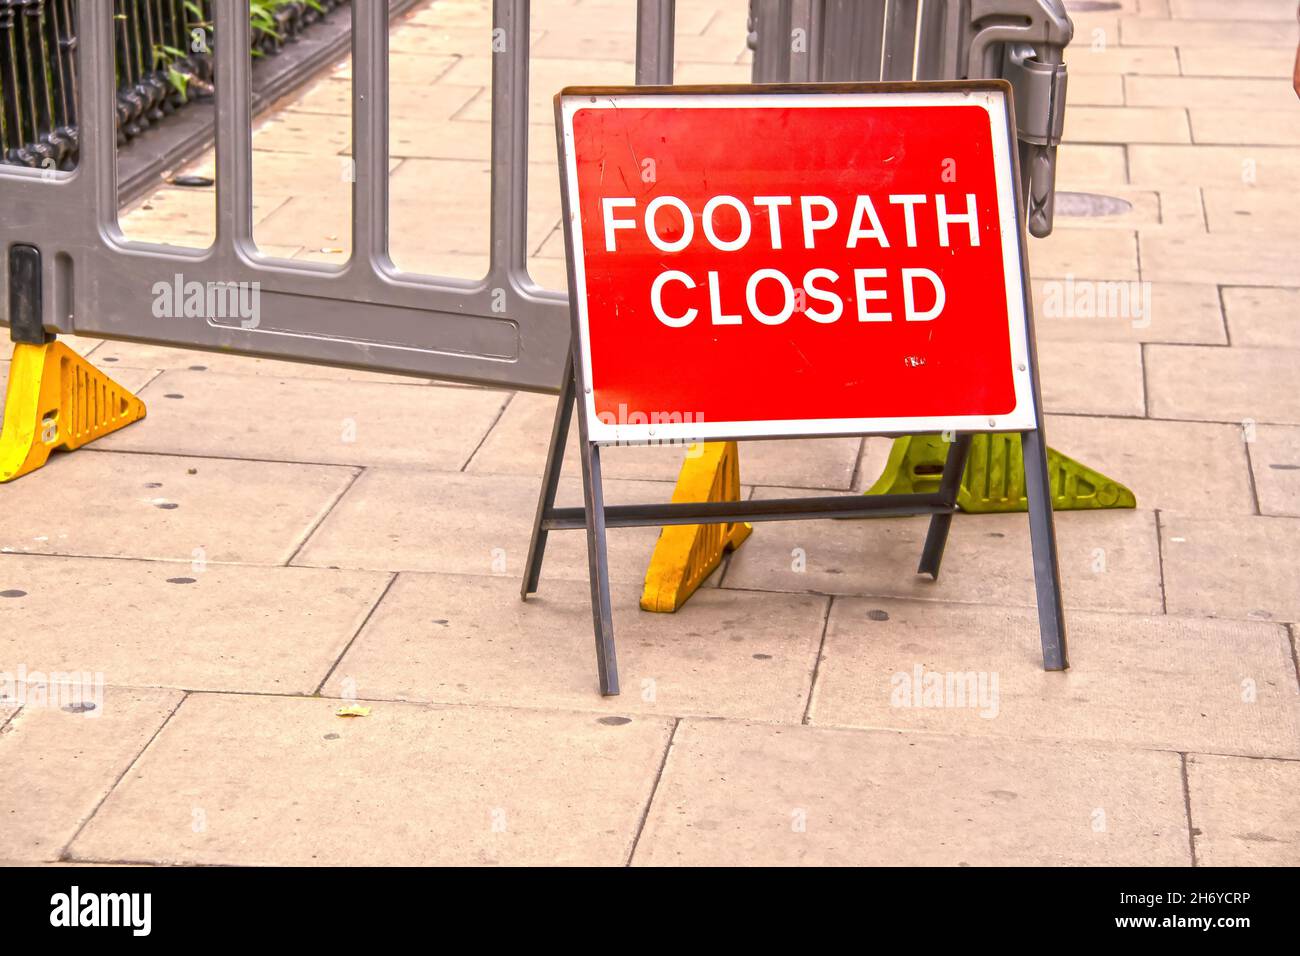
{"x": 275, "y": 538}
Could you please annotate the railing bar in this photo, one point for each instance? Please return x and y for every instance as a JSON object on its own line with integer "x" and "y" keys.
{"x": 30, "y": 125}
{"x": 370, "y": 146}
{"x": 4, "y": 122}
{"x": 916, "y": 39}
{"x": 884, "y": 37}
{"x": 8, "y": 66}
{"x": 98, "y": 157}
{"x": 232, "y": 42}
{"x": 655, "y": 25}
{"x": 34, "y": 61}
{"x": 59, "y": 92}
{"x": 509, "y": 217}
{"x": 150, "y": 57}
{"x": 68, "y": 56}
{"x": 899, "y": 40}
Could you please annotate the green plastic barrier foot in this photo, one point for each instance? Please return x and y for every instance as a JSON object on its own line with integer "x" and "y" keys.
{"x": 994, "y": 480}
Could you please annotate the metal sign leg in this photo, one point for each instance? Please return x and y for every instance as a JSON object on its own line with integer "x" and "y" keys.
{"x": 598, "y": 565}
{"x": 593, "y": 518}
{"x": 550, "y": 480}
{"x": 937, "y": 537}
{"x": 1042, "y": 532}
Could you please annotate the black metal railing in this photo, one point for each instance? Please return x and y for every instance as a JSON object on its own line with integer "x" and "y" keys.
{"x": 163, "y": 54}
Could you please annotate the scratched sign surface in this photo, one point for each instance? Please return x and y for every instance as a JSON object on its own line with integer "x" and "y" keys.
{"x": 753, "y": 264}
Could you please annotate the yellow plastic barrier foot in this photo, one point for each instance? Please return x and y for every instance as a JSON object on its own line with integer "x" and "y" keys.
{"x": 687, "y": 554}
{"x": 994, "y": 480}
{"x": 56, "y": 399}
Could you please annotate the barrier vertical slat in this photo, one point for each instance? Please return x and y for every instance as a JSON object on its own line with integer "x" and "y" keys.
{"x": 510, "y": 41}
{"x": 771, "y": 26}
{"x": 896, "y": 55}
{"x": 854, "y": 39}
{"x": 655, "y": 25}
{"x": 806, "y": 49}
{"x": 232, "y": 42}
{"x": 370, "y": 131}
{"x": 933, "y": 42}
{"x": 98, "y": 130}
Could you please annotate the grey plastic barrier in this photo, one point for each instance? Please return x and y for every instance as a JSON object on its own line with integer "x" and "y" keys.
{"x": 503, "y": 329}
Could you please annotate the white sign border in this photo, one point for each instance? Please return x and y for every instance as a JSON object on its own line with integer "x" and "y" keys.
{"x": 994, "y": 101}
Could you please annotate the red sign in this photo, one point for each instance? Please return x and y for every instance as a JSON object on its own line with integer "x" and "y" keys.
{"x": 760, "y": 264}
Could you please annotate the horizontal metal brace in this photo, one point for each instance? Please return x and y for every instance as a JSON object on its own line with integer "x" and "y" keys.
{"x": 773, "y": 509}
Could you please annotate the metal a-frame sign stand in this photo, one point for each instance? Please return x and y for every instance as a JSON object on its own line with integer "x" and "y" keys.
{"x": 596, "y": 517}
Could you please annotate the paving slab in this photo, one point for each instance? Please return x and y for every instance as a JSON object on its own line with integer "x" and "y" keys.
{"x": 546, "y": 77}
{"x": 1224, "y": 385}
{"x": 1125, "y": 124}
{"x": 1089, "y": 57}
{"x": 518, "y": 443}
{"x": 62, "y": 763}
{"x": 407, "y": 785}
{"x": 565, "y": 42}
{"x": 163, "y": 507}
{"x": 460, "y": 138}
{"x": 1244, "y": 811}
{"x": 1091, "y": 378}
{"x": 1109, "y": 559}
{"x": 322, "y": 137}
{"x": 1156, "y": 682}
{"x": 1234, "y": 167}
{"x": 432, "y": 34}
{"x": 471, "y": 640}
{"x": 1096, "y": 89}
{"x": 1144, "y": 31}
{"x": 191, "y": 626}
{"x": 404, "y": 519}
{"x": 1275, "y": 467}
{"x": 407, "y": 102}
{"x": 1235, "y": 61}
{"x": 1282, "y": 11}
{"x": 80, "y": 344}
{"x": 178, "y": 216}
{"x": 1260, "y": 212}
{"x": 753, "y": 794}
{"x": 1074, "y": 252}
{"x": 1232, "y": 258}
{"x": 1086, "y": 165}
{"x": 333, "y": 421}
{"x": 1232, "y": 125}
{"x": 715, "y": 73}
{"x": 620, "y": 16}
{"x": 1232, "y": 567}
{"x": 1123, "y": 312}
{"x": 1170, "y": 466}
{"x": 1213, "y": 92}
